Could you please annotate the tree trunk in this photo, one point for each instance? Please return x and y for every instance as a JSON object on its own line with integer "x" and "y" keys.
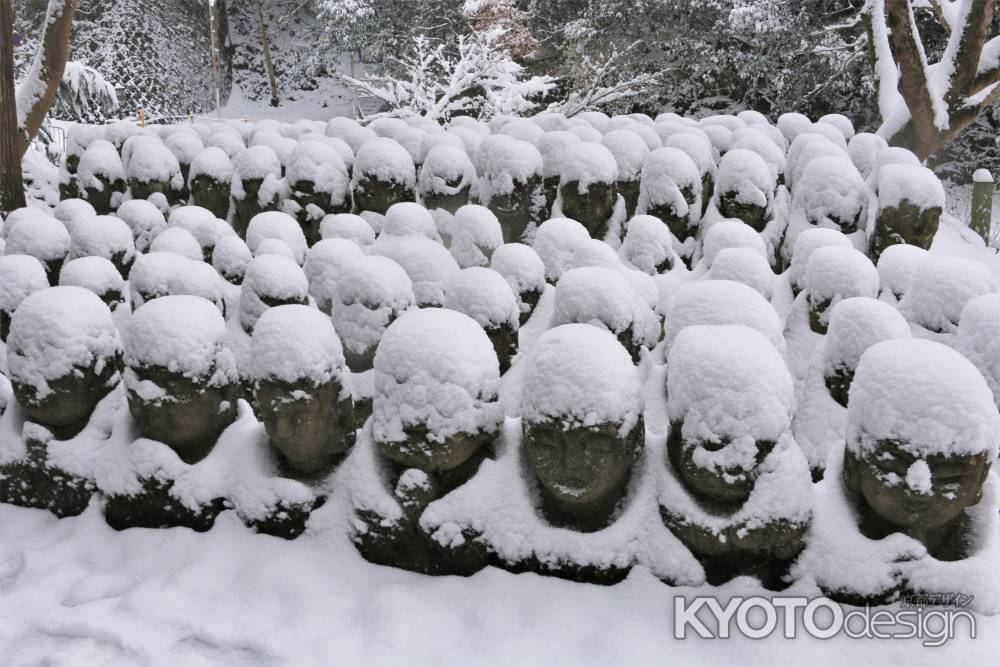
{"x": 36, "y": 93}
{"x": 268, "y": 65}
{"x": 11, "y": 181}
{"x": 213, "y": 15}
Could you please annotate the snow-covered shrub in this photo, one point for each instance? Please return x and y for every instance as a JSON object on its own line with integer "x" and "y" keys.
{"x": 20, "y": 275}
{"x": 897, "y": 265}
{"x": 41, "y": 236}
{"x": 210, "y": 177}
{"x": 720, "y": 302}
{"x": 181, "y": 377}
{"x": 587, "y": 189}
{"x": 144, "y": 219}
{"x": 270, "y": 280}
{"x": 446, "y": 178}
{"x": 178, "y": 241}
{"x": 475, "y": 234}
{"x": 280, "y": 226}
{"x": 319, "y": 183}
{"x": 940, "y": 289}
{"x": 104, "y": 236}
{"x": 510, "y": 182}
{"x": 98, "y": 275}
{"x": 911, "y": 200}
{"x": 64, "y": 356}
{"x": 297, "y": 365}
{"x": 648, "y": 245}
{"x": 100, "y": 176}
{"x": 484, "y": 295}
{"x": 160, "y": 274}
{"x": 832, "y": 274}
{"x": 582, "y": 416}
{"x": 230, "y": 258}
{"x": 347, "y": 226}
{"x": 429, "y": 265}
{"x": 383, "y": 175}
{"x": 436, "y": 390}
{"x": 671, "y": 191}
{"x": 746, "y": 266}
{"x": 370, "y": 292}
{"x": 604, "y": 297}
{"x": 556, "y": 241}
{"x": 404, "y": 218}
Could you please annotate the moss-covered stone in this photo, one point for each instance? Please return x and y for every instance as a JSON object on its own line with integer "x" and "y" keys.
{"x": 372, "y": 194}
{"x": 752, "y": 214}
{"x": 103, "y": 199}
{"x": 154, "y": 507}
{"x": 71, "y": 399}
{"x": 211, "y": 194}
{"x": 529, "y": 298}
{"x": 246, "y": 208}
{"x": 190, "y": 415}
{"x": 143, "y": 190}
{"x": 309, "y": 426}
{"x": 308, "y": 200}
{"x": 592, "y": 208}
{"x": 516, "y": 209}
{"x": 35, "y": 482}
{"x": 629, "y": 190}
{"x": 906, "y": 223}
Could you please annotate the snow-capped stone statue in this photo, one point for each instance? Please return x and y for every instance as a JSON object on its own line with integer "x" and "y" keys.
{"x": 446, "y": 178}
{"x": 916, "y": 507}
{"x": 20, "y": 275}
{"x": 270, "y": 280}
{"x": 299, "y": 378}
{"x": 486, "y": 297}
{"x": 383, "y": 175}
{"x": 255, "y": 185}
{"x": 510, "y": 183}
{"x": 745, "y": 188}
{"x": 583, "y": 428}
{"x": 210, "y": 179}
{"x": 436, "y": 413}
{"x": 911, "y": 200}
{"x": 100, "y": 177}
{"x": 738, "y": 490}
{"x": 832, "y": 274}
{"x": 64, "y": 356}
{"x": 180, "y": 378}
{"x": 43, "y": 237}
{"x": 151, "y": 167}
{"x": 524, "y": 271}
{"x": 671, "y": 191}
{"x": 587, "y": 188}
{"x": 103, "y": 236}
{"x": 320, "y": 185}
{"x": 98, "y": 275}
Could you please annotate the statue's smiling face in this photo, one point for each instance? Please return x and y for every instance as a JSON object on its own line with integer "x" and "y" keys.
{"x": 911, "y": 491}
{"x": 723, "y": 471}
{"x": 579, "y": 465}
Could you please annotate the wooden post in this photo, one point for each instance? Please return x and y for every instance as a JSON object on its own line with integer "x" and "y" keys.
{"x": 982, "y": 203}
{"x": 11, "y": 178}
{"x": 142, "y": 117}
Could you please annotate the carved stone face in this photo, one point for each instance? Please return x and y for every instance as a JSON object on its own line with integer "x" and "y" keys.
{"x": 751, "y": 214}
{"x": 725, "y": 488}
{"x": 190, "y": 416}
{"x": 515, "y": 210}
{"x": 211, "y": 194}
{"x": 677, "y": 224}
{"x": 101, "y": 199}
{"x": 582, "y": 471}
{"x": 308, "y": 425}
{"x": 304, "y": 194}
{"x": 377, "y": 196}
{"x": 434, "y": 457}
{"x": 881, "y": 480}
{"x": 449, "y": 202}
{"x": 905, "y": 224}
{"x": 143, "y": 189}
{"x": 592, "y": 208}
{"x": 72, "y": 398}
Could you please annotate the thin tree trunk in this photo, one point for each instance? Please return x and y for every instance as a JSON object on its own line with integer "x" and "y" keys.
{"x": 213, "y": 15}
{"x": 35, "y": 95}
{"x": 268, "y": 65}
{"x": 11, "y": 180}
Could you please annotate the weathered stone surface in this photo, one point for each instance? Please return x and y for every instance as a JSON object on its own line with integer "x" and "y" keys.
{"x": 154, "y": 507}
{"x": 593, "y": 208}
{"x": 752, "y": 214}
{"x": 34, "y": 482}
{"x": 71, "y": 399}
{"x": 371, "y": 194}
{"x": 904, "y": 224}
{"x": 211, "y": 194}
{"x": 516, "y": 210}
{"x": 582, "y": 472}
